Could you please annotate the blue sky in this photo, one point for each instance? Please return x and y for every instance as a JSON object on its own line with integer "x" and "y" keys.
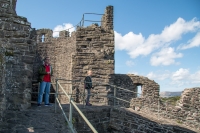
{"x": 157, "y": 39}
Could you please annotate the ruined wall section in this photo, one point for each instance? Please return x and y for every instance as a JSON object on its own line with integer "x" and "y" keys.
{"x": 186, "y": 110}
{"x": 17, "y": 48}
{"x": 95, "y": 50}
{"x": 150, "y": 89}
{"x": 107, "y": 19}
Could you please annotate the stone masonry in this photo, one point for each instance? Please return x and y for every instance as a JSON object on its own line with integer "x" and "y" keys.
{"x": 22, "y": 49}
{"x": 17, "y": 49}
{"x": 72, "y": 56}
{"x": 186, "y": 111}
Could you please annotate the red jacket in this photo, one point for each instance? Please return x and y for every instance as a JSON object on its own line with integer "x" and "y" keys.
{"x": 47, "y": 77}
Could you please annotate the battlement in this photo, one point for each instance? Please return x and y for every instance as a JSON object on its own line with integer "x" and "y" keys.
{"x": 71, "y": 56}
{"x": 8, "y": 7}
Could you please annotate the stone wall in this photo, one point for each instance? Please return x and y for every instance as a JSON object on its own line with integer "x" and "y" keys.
{"x": 126, "y": 121}
{"x": 17, "y": 53}
{"x": 185, "y": 111}
{"x": 95, "y": 50}
{"x": 98, "y": 116}
{"x": 150, "y": 89}
{"x": 60, "y": 51}
{"x": 72, "y": 56}
{"x": 108, "y": 119}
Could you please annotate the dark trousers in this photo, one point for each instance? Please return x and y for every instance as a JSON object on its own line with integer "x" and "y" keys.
{"x": 88, "y": 92}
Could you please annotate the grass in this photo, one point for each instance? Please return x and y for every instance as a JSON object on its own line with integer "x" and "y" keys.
{"x": 171, "y": 100}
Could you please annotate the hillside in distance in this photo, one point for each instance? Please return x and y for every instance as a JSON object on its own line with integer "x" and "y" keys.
{"x": 170, "y": 94}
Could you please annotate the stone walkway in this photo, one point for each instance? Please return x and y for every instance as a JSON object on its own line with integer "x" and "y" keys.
{"x": 44, "y": 119}
{"x": 36, "y": 119}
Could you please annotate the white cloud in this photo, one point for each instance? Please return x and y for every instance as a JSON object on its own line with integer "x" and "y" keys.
{"x": 136, "y": 44}
{"x": 194, "y": 42}
{"x": 165, "y": 57}
{"x": 159, "y": 75}
{"x": 177, "y": 80}
{"x": 128, "y": 41}
{"x": 183, "y": 78}
{"x": 64, "y": 26}
{"x": 129, "y": 63}
{"x": 195, "y": 78}
{"x": 180, "y": 74}
{"x": 132, "y": 72}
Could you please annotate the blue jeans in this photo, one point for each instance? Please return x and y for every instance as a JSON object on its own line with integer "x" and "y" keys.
{"x": 88, "y": 92}
{"x": 44, "y": 86}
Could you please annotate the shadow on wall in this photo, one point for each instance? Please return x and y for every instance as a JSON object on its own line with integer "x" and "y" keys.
{"x": 107, "y": 119}
{"x": 123, "y": 81}
{"x": 149, "y": 88}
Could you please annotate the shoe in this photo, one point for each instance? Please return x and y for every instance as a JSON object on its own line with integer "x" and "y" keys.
{"x": 39, "y": 105}
{"x": 47, "y": 105}
{"x": 88, "y": 104}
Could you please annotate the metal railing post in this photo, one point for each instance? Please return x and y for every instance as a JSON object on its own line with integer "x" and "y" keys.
{"x": 158, "y": 108}
{"x": 70, "y": 113}
{"x": 56, "y": 95}
{"x": 83, "y": 21}
{"x": 114, "y": 96}
{"x": 84, "y": 96}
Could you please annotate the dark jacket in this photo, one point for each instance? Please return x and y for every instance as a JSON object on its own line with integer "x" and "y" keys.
{"x": 88, "y": 85}
{"x": 42, "y": 72}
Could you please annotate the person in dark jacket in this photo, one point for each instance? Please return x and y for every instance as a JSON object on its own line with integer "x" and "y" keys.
{"x": 88, "y": 87}
{"x": 45, "y": 72}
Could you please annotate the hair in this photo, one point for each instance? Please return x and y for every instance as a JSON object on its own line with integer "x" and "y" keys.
{"x": 89, "y": 71}
{"x": 45, "y": 58}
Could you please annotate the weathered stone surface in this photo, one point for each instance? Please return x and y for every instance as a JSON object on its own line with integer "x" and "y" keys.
{"x": 15, "y": 80}
{"x": 22, "y": 49}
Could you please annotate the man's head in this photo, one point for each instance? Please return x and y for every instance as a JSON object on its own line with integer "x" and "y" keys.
{"x": 47, "y": 60}
{"x": 89, "y": 72}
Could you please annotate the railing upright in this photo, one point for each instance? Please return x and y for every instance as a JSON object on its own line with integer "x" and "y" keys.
{"x": 158, "y": 108}
{"x": 56, "y": 95}
{"x": 70, "y": 113}
{"x": 114, "y": 96}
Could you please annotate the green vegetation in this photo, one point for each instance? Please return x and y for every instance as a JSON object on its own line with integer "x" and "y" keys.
{"x": 170, "y": 100}
{"x": 180, "y": 122}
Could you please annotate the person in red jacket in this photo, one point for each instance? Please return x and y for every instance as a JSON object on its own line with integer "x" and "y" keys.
{"x": 45, "y": 73}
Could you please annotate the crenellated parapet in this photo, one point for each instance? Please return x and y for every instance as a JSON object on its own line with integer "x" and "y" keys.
{"x": 44, "y": 35}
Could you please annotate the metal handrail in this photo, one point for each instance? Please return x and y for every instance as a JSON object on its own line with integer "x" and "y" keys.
{"x": 70, "y": 112}
{"x": 65, "y": 116}
{"x": 158, "y": 110}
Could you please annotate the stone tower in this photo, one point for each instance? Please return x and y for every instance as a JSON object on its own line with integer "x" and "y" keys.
{"x": 17, "y": 51}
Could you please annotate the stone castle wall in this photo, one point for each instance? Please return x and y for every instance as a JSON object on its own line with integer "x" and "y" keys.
{"x": 60, "y": 51}
{"x": 150, "y": 89}
{"x": 17, "y": 49}
{"x": 109, "y": 119}
{"x": 22, "y": 49}
{"x": 72, "y": 56}
{"x": 185, "y": 111}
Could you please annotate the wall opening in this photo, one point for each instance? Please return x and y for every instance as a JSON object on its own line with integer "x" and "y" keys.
{"x": 83, "y": 46}
{"x": 43, "y": 38}
{"x": 139, "y": 90}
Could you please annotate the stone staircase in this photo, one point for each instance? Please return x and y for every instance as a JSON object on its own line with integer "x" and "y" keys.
{"x": 36, "y": 119}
